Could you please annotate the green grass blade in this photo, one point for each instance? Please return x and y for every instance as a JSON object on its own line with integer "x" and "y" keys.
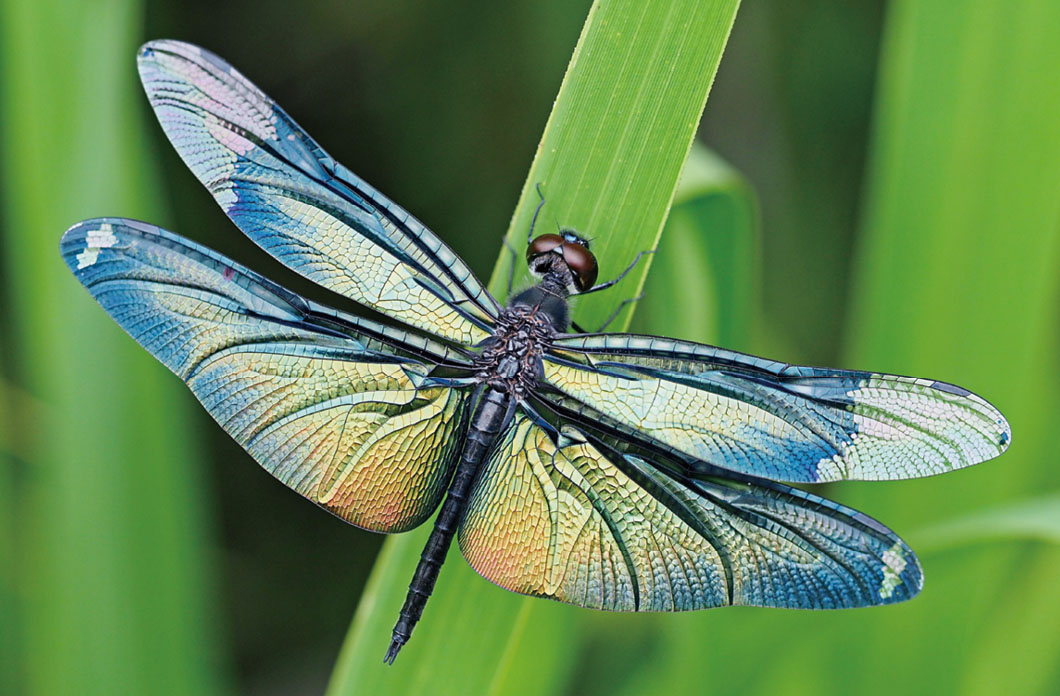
{"x": 621, "y": 128}
{"x": 19, "y": 414}
{"x": 956, "y": 280}
{"x": 704, "y": 287}
{"x": 1034, "y": 518}
{"x": 988, "y": 618}
{"x": 705, "y": 284}
{"x": 10, "y": 609}
{"x": 609, "y": 162}
{"x": 111, "y": 541}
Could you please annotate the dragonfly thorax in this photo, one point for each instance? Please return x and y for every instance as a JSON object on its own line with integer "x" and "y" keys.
{"x": 510, "y": 360}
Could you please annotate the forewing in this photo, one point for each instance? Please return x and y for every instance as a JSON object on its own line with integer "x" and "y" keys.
{"x": 330, "y": 405}
{"x": 769, "y": 419}
{"x": 568, "y": 516}
{"x": 297, "y": 203}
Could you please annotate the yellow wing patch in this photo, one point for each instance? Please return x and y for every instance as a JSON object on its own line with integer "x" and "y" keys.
{"x": 358, "y": 438}
{"x": 565, "y": 523}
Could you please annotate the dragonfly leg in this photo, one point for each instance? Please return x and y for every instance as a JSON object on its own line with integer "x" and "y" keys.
{"x": 529, "y": 238}
{"x": 533, "y": 220}
{"x": 618, "y": 309}
{"x": 614, "y": 315}
{"x": 511, "y": 266}
{"x": 623, "y": 274}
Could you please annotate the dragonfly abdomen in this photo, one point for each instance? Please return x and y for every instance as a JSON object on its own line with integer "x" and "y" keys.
{"x": 493, "y": 411}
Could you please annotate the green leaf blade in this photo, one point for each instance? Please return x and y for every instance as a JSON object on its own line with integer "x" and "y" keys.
{"x": 620, "y": 131}
{"x": 609, "y": 163}
{"x": 705, "y": 282}
{"x": 111, "y": 544}
{"x": 704, "y": 287}
{"x": 1029, "y": 519}
{"x": 955, "y": 279}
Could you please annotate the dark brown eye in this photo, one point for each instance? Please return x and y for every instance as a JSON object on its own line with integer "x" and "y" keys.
{"x": 582, "y": 262}
{"x": 542, "y": 245}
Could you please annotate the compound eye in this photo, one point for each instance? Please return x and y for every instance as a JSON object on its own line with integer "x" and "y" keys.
{"x": 582, "y": 262}
{"x": 542, "y": 245}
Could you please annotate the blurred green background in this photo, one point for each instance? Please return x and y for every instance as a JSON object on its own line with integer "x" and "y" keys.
{"x": 887, "y": 197}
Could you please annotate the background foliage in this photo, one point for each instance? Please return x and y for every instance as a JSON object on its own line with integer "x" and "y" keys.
{"x": 883, "y": 195}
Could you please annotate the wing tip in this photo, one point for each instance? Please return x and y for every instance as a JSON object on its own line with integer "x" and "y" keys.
{"x": 988, "y": 433}
{"x": 148, "y": 49}
{"x": 902, "y": 575}
{"x": 150, "y": 66}
{"x": 1004, "y": 433}
{"x": 146, "y": 55}
{"x": 82, "y": 242}
{"x": 1002, "y": 430}
{"x": 82, "y": 227}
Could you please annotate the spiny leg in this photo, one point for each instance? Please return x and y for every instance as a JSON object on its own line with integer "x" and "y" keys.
{"x": 529, "y": 238}
{"x": 533, "y": 220}
{"x": 623, "y": 274}
{"x": 610, "y": 319}
{"x": 511, "y": 266}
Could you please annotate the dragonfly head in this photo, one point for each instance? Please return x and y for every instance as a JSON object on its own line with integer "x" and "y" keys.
{"x": 563, "y": 250}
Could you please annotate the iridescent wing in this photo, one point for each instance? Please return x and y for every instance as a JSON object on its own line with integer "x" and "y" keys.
{"x": 346, "y": 412}
{"x": 301, "y": 206}
{"x": 768, "y": 419}
{"x": 560, "y": 513}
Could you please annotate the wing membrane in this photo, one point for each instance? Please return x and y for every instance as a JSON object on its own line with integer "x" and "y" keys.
{"x": 338, "y": 409}
{"x": 769, "y": 419}
{"x": 302, "y": 207}
{"x": 565, "y": 515}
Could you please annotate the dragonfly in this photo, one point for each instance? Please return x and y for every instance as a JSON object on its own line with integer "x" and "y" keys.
{"x": 605, "y": 470}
